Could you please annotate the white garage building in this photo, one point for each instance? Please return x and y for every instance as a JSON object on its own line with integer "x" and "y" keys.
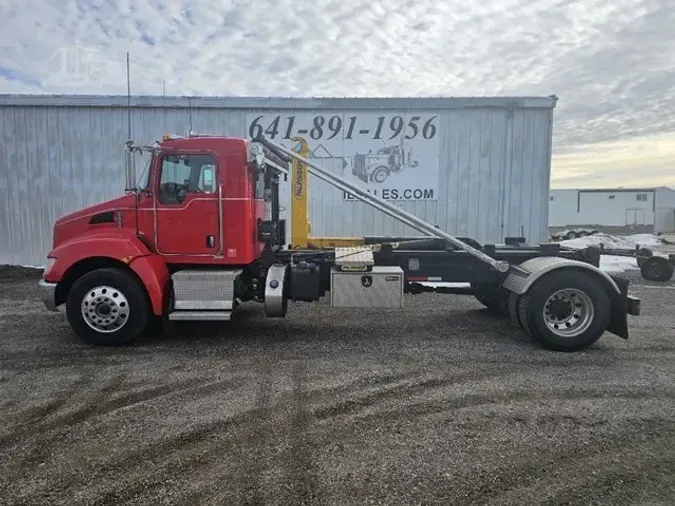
{"x": 614, "y": 209}
{"x": 476, "y": 167}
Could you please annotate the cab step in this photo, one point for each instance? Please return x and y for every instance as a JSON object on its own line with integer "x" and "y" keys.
{"x": 204, "y": 316}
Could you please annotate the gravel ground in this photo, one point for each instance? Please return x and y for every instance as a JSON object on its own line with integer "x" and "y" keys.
{"x": 437, "y": 404}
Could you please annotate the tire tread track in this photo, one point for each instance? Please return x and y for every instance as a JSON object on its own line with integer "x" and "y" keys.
{"x": 398, "y": 391}
{"x": 426, "y": 408}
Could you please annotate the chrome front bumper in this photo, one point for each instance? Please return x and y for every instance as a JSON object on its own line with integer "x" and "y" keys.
{"x": 47, "y": 294}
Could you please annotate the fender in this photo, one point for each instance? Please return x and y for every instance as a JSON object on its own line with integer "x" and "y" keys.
{"x": 154, "y": 273}
{"x": 121, "y": 246}
{"x": 523, "y": 276}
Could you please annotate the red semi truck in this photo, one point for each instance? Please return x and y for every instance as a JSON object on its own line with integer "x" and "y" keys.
{"x": 201, "y": 234}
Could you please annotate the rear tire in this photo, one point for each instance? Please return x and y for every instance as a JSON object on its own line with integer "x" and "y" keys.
{"x": 565, "y": 311}
{"x": 656, "y": 269}
{"x": 494, "y": 298}
{"x": 642, "y": 255}
{"x": 108, "y": 307}
{"x": 514, "y": 312}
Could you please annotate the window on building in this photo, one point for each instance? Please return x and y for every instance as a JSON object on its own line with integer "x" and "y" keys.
{"x": 641, "y": 197}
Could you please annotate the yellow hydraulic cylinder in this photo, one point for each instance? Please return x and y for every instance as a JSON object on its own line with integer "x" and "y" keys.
{"x": 299, "y": 216}
{"x": 300, "y": 225}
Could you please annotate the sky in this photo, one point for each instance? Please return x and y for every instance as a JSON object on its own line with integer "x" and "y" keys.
{"x": 612, "y": 64}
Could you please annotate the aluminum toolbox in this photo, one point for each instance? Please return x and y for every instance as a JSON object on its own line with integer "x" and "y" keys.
{"x": 380, "y": 287}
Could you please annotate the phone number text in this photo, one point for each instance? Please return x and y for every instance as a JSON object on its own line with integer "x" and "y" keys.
{"x": 329, "y": 127}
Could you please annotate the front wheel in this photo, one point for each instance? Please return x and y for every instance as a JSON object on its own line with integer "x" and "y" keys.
{"x": 380, "y": 174}
{"x": 108, "y": 307}
{"x": 565, "y": 311}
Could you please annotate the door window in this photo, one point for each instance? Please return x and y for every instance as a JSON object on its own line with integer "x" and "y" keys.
{"x": 183, "y": 175}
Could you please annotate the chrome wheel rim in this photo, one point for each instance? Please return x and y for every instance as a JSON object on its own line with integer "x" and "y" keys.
{"x": 569, "y": 312}
{"x": 105, "y": 309}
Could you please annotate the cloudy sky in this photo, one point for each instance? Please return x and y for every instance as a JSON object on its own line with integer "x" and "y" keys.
{"x": 612, "y": 64}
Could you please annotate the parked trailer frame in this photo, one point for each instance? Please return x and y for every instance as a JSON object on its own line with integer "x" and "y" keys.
{"x": 652, "y": 267}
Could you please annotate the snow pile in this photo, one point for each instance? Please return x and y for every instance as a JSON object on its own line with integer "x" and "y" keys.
{"x": 615, "y": 264}
{"x": 645, "y": 240}
{"x": 612, "y": 263}
{"x": 610, "y": 241}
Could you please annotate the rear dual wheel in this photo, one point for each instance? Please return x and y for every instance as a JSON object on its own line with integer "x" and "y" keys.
{"x": 563, "y": 311}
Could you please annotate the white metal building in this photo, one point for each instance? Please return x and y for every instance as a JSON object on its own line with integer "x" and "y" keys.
{"x": 651, "y": 209}
{"x": 477, "y": 167}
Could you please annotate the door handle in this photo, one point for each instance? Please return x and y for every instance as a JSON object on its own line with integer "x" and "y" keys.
{"x": 210, "y": 241}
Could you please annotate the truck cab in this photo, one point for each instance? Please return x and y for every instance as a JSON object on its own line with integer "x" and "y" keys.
{"x": 201, "y": 202}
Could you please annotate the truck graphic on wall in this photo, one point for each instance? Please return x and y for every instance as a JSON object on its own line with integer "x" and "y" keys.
{"x": 371, "y": 167}
{"x": 376, "y": 167}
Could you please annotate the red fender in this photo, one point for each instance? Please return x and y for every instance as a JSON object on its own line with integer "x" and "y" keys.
{"x": 155, "y": 275}
{"x": 120, "y": 245}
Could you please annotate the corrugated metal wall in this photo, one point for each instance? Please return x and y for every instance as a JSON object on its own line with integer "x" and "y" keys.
{"x": 58, "y": 154}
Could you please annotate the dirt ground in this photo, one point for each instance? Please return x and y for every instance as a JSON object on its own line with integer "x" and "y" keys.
{"x": 437, "y": 404}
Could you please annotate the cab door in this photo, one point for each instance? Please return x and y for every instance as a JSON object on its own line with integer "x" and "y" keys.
{"x": 186, "y": 214}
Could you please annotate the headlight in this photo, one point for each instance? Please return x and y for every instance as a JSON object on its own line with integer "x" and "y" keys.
{"x": 48, "y": 267}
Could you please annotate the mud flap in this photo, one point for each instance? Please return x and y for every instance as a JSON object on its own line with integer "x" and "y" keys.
{"x": 622, "y": 306}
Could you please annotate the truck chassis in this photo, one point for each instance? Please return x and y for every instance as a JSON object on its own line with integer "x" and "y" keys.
{"x": 559, "y": 297}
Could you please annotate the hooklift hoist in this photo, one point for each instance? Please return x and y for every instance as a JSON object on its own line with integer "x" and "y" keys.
{"x": 201, "y": 234}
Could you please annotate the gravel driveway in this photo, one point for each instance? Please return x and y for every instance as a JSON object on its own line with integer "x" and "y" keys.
{"x": 438, "y": 404}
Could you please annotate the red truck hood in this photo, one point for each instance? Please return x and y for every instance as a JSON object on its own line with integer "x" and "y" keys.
{"x": 76, "y": 223}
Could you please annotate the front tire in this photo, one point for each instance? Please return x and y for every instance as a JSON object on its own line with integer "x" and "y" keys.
{"x": 108, "y": 307}
{"x": 380, "y": 174}
{"x": 565, "y": 311}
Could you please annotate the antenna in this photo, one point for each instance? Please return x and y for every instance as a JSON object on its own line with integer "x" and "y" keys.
{"x": 164, "y": 103}
{"x": 128, "y": 148}
{"x": 128, "y": 99}
{"x": 190, "y": 112}
{"x": 132, "y": 159}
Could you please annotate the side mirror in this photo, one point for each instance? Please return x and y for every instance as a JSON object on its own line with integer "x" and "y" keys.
{"x": 260, "y": 161}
